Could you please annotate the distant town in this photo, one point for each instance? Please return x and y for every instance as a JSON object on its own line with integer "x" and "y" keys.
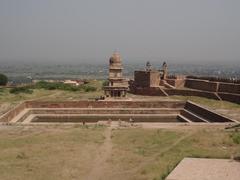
{"x": 24, "y": 73}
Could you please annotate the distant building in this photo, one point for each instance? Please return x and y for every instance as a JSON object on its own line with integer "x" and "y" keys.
{"x": 67, "y": 81}
{"x": 147, "y": 78}
{"x": 149, "y": 81}
{"x": 118, "y": 85}
{"x": 73, "y": 82}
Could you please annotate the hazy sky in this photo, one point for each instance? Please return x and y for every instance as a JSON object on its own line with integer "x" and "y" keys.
{"x": 80, "y": 30}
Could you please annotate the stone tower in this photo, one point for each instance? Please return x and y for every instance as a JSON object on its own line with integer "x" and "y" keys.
{"x": 118, "y": 85}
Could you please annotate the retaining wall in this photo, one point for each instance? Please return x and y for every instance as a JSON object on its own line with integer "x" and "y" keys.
{"x": 105, "y": 104}
{"x": 205, "y": 113}
{"x": 12, "y": 113}
{"x": 90, "y": 104}
{"x": 106, "y": 111}
{"x": 136, "y": 118}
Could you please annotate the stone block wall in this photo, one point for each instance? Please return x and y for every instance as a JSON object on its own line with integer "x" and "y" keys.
{"x": 105, "y": 104}
{"x": 189, "y": 92}
{"x": 202, "y": 85}
{"x": 146, "y": 78}
{"x": 12, "y": 113}
{"x": 141, "y": 79}
{"x": 149, "y": 91}
{"x": 206, "y": 85}
{"x": 205, "y": 113}
{"x": 229, "y": 88}
{"x": 178, "y": 83}
{"x": 90, "y": 104}
{"x": 235, "y": 98}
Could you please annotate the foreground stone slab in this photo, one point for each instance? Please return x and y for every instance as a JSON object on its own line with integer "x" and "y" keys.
{"x": 206, "y": 169}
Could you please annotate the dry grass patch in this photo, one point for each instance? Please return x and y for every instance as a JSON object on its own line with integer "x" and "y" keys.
{"x": 152, "y": 154}
{"x": 211, "y": 103}
{"x": 48, "y": 152}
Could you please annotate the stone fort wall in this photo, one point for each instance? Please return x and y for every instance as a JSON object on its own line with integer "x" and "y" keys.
{"x": 206, "y": 85}
{"x": 190, "y": 92}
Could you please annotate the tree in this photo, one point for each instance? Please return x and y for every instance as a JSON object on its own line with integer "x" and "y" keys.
{"x": 3, "y": 80}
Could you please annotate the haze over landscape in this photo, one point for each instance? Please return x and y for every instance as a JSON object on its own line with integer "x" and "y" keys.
{"x": 119, "y": 89}
{"x": 79, "y": 31}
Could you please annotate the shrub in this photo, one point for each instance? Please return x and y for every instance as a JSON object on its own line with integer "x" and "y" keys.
{"x": 56, "y": 85}
{"x": 3, "y": 80}
{"x": 105, "y": 83}
{"x": 235, "y": 137}
{"x": 18, "y": 90}
{"x": 88, "y": 88}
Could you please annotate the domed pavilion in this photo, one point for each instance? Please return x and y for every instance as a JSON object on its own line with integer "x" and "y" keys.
{"x": 118, "y": 85}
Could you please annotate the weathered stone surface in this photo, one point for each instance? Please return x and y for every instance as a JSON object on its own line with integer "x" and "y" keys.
{"x": 207, "y": 169}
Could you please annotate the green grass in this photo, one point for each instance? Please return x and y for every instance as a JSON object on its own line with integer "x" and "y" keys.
{"x": 18, "y": 90}
{"x": 152, "y": 154}
{"x": 209, "y": 102}
{"x": 235, "y": 137}
{"x": 8, "y": 100}
{"x": 69, "y": 152}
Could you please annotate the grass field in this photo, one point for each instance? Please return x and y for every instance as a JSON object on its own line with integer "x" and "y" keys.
{"x": 98, "y": 152}
{"x": 209, "y": 102}
{"x": 48, "y": 153}
{"x": 8, "y": 100}
{"x": 225, "y": 108}
{"x": 58, "y": 152}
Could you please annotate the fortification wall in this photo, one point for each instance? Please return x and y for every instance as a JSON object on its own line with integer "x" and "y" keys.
{"x": 189, "y": 92}
{"x": 178, "y": 83}
{"x": 229, "y": 88}
{"x": 142, "y": 79}
{"x": 206, "y": 85}
{"x": 235, "y": 98}
{"x": 146, "y": 78}
{"x": 150, "y": 91}
{"x": 216, "y": 79}
{"x": 202, "y": 85}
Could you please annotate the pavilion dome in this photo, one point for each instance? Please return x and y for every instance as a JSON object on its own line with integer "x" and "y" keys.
{"x": 115, "y": 58}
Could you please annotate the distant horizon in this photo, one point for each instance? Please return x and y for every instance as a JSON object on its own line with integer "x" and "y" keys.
{"x": 125, "y": 60}
{"x": 186, "y": 31}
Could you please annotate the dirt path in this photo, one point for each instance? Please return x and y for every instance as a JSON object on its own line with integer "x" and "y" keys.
{"x": 100, "y": 163}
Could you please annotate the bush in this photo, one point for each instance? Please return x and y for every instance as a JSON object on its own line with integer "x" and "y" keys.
{"x": 105, "y": 83}
{"x": 56, "y": 85}
{"x": 88, "y": 88}
{"x": 64, "y": 87}
{"x": 3, "y": 80}
{"x": 235, "y": 137}
{"x": 18, "y": 90}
